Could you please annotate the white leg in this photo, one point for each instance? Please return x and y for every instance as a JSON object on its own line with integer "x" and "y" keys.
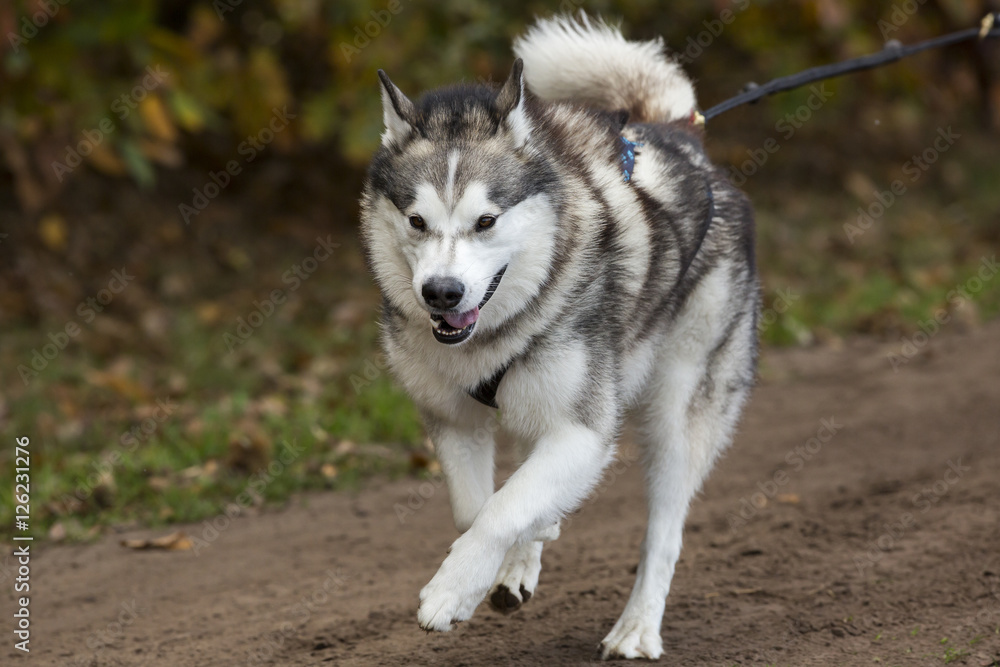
{"x": 466, "y": 457}
{"x": 672, "y": 480}
{"x": 680, "y": 453}
{"x": 560, "y": 472}
{"x": 518, "y": 577}
{"x": 691, "y": 407}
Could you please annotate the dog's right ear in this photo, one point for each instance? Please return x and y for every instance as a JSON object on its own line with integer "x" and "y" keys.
{"x": 398, "y": 113}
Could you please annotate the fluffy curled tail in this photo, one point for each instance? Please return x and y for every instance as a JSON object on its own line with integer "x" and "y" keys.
{"x": 579, "y": 60}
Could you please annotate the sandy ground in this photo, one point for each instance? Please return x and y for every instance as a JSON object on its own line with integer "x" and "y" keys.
{"x": 856, "y": 521}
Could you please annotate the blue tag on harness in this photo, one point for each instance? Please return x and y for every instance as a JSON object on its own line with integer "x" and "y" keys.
{"x": 627, "y": 157}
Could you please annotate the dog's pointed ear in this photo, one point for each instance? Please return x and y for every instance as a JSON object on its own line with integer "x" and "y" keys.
{"x": 511, "y": 105}
{"x": 398, "y": 113}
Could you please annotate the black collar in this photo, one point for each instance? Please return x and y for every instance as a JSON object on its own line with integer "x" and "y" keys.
{"x": 486, "y": 391}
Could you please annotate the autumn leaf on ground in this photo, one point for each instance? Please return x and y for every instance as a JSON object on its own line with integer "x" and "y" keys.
{"x": 177, "y": 541}
{"x": 120, "y": 384}
{"x": 53, "y": 232}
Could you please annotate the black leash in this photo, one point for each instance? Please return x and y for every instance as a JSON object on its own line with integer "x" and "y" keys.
{"x": 892, "y": 52}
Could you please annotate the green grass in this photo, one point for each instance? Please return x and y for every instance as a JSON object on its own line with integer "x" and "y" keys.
{"x": 912, "y": 264}
{"x": 228, "y": 419}
{"x": 952, "y": 654}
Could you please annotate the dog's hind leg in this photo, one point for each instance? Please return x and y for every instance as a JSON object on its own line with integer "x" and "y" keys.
{"x": 690, "y": 410}
{"x": 518, "y": 577}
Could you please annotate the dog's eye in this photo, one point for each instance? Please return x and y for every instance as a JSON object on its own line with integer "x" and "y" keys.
{"x": 417, "y": 222}
{"x": 486, "y": 221}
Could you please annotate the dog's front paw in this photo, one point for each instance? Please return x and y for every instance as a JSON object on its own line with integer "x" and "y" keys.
{"x": 518, "y": 577}
{"x": 441, "y": 607}
{"x": 633, "y": 638}
{"x": 458, "y": 587}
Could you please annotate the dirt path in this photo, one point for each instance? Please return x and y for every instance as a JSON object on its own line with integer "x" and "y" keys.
{"x": 877, "y": 539}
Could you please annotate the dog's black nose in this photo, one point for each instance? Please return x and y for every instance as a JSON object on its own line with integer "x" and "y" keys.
{"x": 442, "y": 293}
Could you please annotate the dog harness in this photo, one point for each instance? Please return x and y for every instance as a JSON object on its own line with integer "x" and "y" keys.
{"x": 627, "y": 157}
{"x": 486, "y": 391}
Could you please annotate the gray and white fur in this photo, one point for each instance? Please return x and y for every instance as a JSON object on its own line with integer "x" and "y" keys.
{"x": 518, "y": 264}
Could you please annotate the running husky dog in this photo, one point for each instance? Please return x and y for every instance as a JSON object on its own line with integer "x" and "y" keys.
{"x": 561, "y": 248}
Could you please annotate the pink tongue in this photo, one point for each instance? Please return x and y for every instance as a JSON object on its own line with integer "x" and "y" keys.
{"x": 462, "y": 320}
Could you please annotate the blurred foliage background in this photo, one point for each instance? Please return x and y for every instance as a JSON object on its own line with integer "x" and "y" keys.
{"x": 205, "y": 149}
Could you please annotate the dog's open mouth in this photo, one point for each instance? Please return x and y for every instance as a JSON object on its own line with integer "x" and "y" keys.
{"x": 451, "y": 328}
{"x": 454, "y": 328}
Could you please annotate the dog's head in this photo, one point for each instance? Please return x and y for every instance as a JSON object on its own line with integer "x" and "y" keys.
{"x": 458, "y": 208}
